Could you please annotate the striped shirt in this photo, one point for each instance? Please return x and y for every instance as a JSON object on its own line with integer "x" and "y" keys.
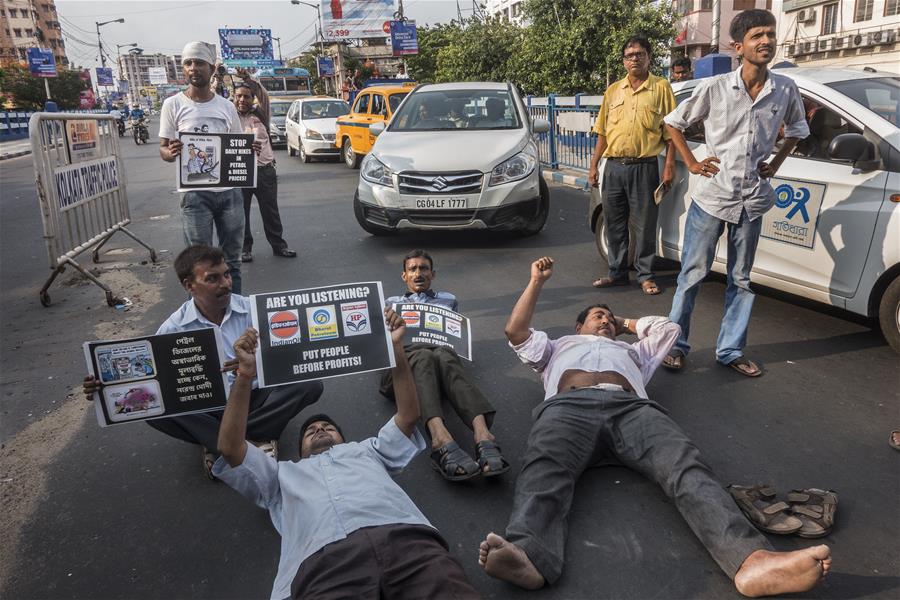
{"x": 741, "y": 133}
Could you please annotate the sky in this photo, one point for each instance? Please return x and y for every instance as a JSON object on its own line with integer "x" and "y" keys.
{"x": 166, "y": 25}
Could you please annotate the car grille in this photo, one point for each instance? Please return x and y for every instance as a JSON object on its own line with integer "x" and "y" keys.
{"x": 467, "y": 182}
{"x": 441, "y": 217}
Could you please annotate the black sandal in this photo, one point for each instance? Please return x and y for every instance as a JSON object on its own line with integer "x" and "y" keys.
{"x": 488, "y": 455}
{"x": 449, "y": 459}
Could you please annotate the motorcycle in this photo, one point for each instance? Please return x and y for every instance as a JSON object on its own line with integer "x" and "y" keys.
{"x": 140, "y": 131}
{"x": 121, "y": 124}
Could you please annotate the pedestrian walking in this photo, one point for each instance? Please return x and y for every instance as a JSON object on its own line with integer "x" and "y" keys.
{"x": 742, "y": 113}
{"x": 199, "y": 109}
{"x": 631, "y": 135}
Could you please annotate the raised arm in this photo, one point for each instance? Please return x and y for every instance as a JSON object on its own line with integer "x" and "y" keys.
{"x": 518, "y": 326}
{"x": 404, "y": 386}
{"x": 233, "y": 430}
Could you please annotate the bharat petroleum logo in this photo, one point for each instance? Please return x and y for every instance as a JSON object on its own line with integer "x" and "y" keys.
{"x": 321, "y": 317}
{"x": 785, "y": 195}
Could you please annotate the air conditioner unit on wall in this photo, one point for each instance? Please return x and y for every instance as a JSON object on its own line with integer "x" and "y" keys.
{"x": 824, "y": 45}
{"x": 806, "y": 16}
{"x": 882, "y": 37}
{"x": 808, "y": 47}
{"x": 838, "y": 42}
{"x": 792, "y": 50}
{"x": 857, "y": 41}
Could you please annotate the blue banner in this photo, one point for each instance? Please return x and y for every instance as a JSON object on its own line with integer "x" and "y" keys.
{"x": 105, "y": 76}
{"x": 403, "y": 38}
{"x": 41, "y": 62}
{"x": 247, "y": 47}
{"x": 325, "y": 65}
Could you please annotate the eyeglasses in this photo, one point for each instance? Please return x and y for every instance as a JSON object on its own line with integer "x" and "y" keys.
{"x": 636, "y": 56}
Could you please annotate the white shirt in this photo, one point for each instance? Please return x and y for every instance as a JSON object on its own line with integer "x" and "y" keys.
{"x": 741, "y": 133}
{"x": 636, "y": 362}
{"x": 324, "y": 498}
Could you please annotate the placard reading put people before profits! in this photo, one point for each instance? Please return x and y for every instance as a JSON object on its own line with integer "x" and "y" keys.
{"x": 157, "y": 376}
{"x": 321, "y": 332}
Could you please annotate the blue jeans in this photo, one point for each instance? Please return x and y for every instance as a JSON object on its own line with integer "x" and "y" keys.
{"x": 201, "y": 210}
{"x": 701, "y": 233}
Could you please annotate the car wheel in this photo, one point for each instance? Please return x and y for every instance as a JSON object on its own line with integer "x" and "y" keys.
{"x": 360, "y": 215}
{"x": 351, "y": 158}
{"x": 303, "y": 155}
{"x": 540, "y": 219}
{"x": 889, "y": 314}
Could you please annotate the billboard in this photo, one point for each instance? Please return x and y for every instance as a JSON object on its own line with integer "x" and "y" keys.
{"x": 403, "y": 38}
{"x": 325, "y": 65}
{"x": 350, "y": 19}
{"x": 158, "y": 75}
{"x": 41, "y": 62}
{"x": 105, "y": 77}
{"x": 247, "y": 48}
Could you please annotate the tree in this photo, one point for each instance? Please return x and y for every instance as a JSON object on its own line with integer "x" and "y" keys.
{"x": 574, "y": 46}
{"x": 27, "y": 92}
{"x": 482, "y": 51}
{"x": 422, "y": 67}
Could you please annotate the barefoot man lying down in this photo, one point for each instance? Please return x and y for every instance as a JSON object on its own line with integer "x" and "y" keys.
{"x": 596, "y": 409}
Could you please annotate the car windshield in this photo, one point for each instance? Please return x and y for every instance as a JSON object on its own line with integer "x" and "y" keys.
{"x": 458, "y": 109}
{"x": 279, "y": 109}
{"x": 324, "y": 109}
{"x": 881, "y": 95}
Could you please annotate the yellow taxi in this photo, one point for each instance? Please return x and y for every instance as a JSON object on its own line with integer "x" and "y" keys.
{"x": 373, "y": 104}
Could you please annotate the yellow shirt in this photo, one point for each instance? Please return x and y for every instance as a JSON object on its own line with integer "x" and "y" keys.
{"x": 632, "y": 120}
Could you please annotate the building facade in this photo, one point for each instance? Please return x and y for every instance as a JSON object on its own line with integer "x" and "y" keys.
{"x": 134, "y": 67}
{"x": 509, "y": 9}
{"x": 845, "y": 33}
{"x": 694, "y": 24}
{"x": 30, "y": 24}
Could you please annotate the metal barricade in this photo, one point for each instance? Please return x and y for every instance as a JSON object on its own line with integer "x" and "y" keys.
{"x": 80, "y": 181}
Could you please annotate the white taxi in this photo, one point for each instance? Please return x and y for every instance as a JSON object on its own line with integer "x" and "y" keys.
{"x": 833, "y": 235}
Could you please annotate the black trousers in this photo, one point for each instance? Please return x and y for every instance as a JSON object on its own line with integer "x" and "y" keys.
{"x": 271, "y": 409}
{"x": 439, "y": 373}
{"x": 389, "y": 561}
{"x": 266, "y": 192}
{"x": 628, "y": 198}
{"x": 576, "y": 430}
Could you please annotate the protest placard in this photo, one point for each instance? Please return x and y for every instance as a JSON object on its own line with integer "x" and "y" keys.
{"x": 211, "y": 161}
{"x": 320, "y": 332}
{"x": 157, "y": 376}
{"x": 434, "y": 324}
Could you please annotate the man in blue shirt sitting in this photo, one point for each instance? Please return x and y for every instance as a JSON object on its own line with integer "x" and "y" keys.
{"x": 438, "y": 372}
{"x": 348, "y": 530}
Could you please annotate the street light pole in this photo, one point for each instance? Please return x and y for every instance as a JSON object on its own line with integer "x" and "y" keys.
{"x": 100, "y": 42}
{"x": 320, "y": 35}
{"x": 278, "y": 39}
{"x": 119, "y": 55}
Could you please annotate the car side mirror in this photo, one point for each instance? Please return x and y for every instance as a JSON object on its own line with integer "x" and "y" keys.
{"x": 376, "y": 129}
{"x": 540, "y": 126}
{"x": 854, "y": 148}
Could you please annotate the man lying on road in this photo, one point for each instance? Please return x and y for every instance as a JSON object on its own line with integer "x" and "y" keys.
{"x": 348, "y": 530}
{"x": 596, "y": 409}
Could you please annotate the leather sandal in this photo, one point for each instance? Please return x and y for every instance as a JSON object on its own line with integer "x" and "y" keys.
{"x": 815, "y": 508}
{"x": 608, "y": 282}
{"x": 650, "y": 288}
{"x": 757, "y": 505}
{"x": 208, "y": 461}
{"x": 449, "y": 459}
{"x": 742, "y": 361}
{"x": 487, "y": 453}
{"x": 673, "y": 361}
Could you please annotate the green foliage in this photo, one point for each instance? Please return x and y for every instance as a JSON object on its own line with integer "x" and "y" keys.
{"x": 422, "y": 67}
{"x": 27, "y": 92}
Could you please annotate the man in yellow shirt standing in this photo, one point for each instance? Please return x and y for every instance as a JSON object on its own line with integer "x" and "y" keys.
{"x": 630, "y": 135}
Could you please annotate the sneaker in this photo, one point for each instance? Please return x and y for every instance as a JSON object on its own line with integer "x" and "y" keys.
{"x": 269, "y": 448}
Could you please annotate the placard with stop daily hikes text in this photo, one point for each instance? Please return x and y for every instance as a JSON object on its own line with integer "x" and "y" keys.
{"x": 434, "y": 324}
{"x": 212, "y": 161}
{"x": 321, "y": 332}
{"x": 157, "y": 376}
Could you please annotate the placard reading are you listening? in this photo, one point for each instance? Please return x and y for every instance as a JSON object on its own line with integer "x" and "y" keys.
{"x": 321, "y": 332}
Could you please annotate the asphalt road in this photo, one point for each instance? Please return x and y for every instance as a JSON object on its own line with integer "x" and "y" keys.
{"x": 125, "y": 512}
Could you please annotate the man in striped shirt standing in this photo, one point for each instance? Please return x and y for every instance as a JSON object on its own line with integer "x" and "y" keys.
{"x": 734, "y": 189}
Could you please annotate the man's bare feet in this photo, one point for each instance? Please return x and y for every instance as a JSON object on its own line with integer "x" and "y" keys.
{"x": 767, "y": 573}
{"x": 504, "y": 560}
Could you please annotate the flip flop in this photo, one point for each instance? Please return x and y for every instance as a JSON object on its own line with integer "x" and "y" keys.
{"x": 757, "y": 505}
{"x": 449, "y": 459}
{"x": 208, "y": 461}
{"x": 743, "y": 362}
{"x": 673, "y": 362}
{"x": 487, "y": 453}
{"x": 650, "y": 288}
{"x": 608, "y": 282}
{"x": 815, "y": 508}
{"x": 893, "y": 439}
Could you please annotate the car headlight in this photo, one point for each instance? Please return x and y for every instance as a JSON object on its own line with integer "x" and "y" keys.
{"x": 518, "y": 167}
{"x": 313, "y": 134}
{"x": 374, "y": 171}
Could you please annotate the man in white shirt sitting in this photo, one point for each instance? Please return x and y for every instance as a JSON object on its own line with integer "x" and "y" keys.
{"x": 348, "y": 530}
{"x": 596, "y": 411}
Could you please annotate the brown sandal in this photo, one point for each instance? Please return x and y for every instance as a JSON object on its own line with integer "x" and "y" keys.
{"x": 673, "y": 362}
{"x": 650, "y": 288}
{"x": 742, "y": 361}
{"x": 608, "y": 282}
{"x": 756, "y": 504}
{"x": 815, "y": 508}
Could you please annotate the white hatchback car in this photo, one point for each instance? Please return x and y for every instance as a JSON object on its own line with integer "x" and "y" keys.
{"x": 309, "y": 127}
{"x": 455, "y": 156}
{"x": 833, "y": 235}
